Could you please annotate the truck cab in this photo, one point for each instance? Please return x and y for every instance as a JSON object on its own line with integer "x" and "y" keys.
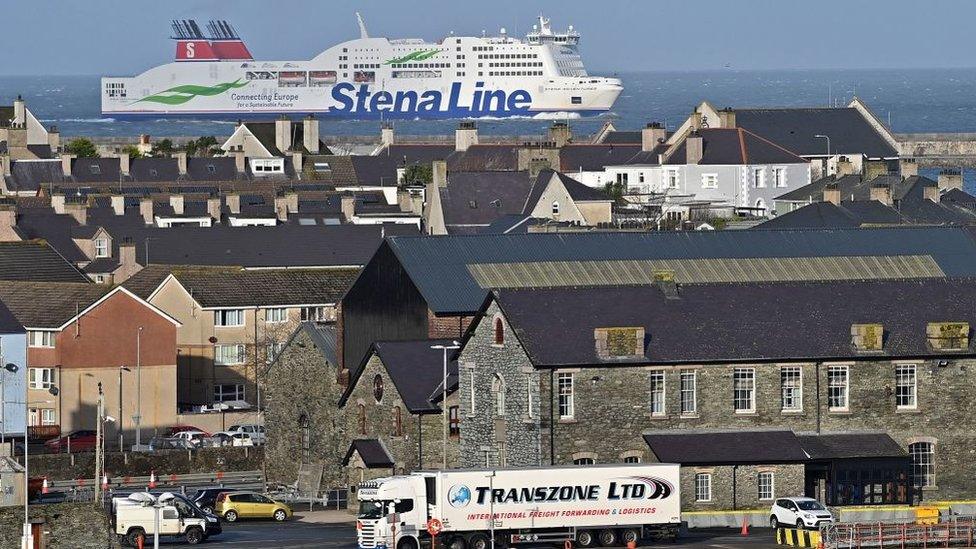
{"x": 393, "y": 512}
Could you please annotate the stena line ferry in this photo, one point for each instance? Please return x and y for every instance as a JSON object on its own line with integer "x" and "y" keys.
{"x": 214, "y": 75}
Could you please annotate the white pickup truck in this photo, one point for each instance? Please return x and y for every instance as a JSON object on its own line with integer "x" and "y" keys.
{"x": 136, "y": 515}
{"x": 590, "y": 505}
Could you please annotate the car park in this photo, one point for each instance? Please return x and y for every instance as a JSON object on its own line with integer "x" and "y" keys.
{"x": 176, "y": 429}
{"x": 799, "y": 513}
{"x": 256, "y": 432}
{"x": 76, "y": 441}
{"x": 227, "y": 438}
{"x": 195, "y": 438}
{"x": 233, "y": 506}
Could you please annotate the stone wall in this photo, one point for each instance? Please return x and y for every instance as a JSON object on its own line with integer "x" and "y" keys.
{"x": 787, "y": 481}
{"x": 65, "y": 526}
{"x": 163, "y": 462}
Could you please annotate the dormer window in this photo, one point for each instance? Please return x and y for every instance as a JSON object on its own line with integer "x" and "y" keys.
{"x": 101, "y": 247}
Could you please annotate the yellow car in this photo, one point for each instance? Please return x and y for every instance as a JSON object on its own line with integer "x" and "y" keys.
{"x": 237, "y": 505}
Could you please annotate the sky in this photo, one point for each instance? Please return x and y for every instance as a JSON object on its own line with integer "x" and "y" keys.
{"x": 122, "y": 37}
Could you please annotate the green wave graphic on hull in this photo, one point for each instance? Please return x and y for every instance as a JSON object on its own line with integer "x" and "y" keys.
{"x": 415, "y": 56}
{"x": 181, "y": 94}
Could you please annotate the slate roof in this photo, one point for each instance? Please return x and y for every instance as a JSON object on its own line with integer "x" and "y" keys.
{"x": 795, "y": 128}
{"x": 853, "y": 187}
{"x": 102, "y": 265}
{"x": 507, "y": 224}
{"x": 850, "y": 446}
{"x": 222, "y": 287}
{"x": 415, "y": 369}
{"x": 48, "y": 304}
{"x": 477, "y": 199}
{"x": 734, "y": 146}
{"x": 829, "y": 215}
{"x": 725, "y": 447}
{"x": 580, "y": 192}
{"x": 438, "y": 265}
{"x": 556, "y": 325}
{"x": 36, "y": 261}
{"x": 574, "y": 158}
{"x": 6, "y": 115}
{"x": 324, "y": 337}
{"x": 371, "y": 451}
{"x": 618, "y": 137}
{"x": 8, "y": 322}
{"x": 30, "y": 175}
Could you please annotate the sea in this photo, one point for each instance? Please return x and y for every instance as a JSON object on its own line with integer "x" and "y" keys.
{"x": 909, "y": 101}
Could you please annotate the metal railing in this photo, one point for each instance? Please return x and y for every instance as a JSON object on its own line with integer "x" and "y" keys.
{"x": 231, "y": 479}
{"x": 956, "y": 531}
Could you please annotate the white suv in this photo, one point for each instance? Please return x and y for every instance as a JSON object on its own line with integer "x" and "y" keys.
{"x": 256, "y": 432}
{"x": 799, "y": 512}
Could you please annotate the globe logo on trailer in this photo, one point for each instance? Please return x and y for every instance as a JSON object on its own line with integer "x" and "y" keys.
{"x": 459, "y": 495}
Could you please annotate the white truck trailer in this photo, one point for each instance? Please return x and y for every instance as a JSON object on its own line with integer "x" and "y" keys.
{"x": 607, "y": 505}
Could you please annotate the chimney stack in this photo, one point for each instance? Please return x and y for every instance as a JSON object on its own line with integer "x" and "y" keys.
{"x": 291, "y": 200}
{"x": 281, "y": 207}
{"x": 118, "y": 204}
{"x": 348, "y": 207}
{"x": 694, "y": 148}
{"x": 54, "y": 139}
{"x": 57, "y": 202}
{"x": 8, "y": 220}
{"x": 297, "y": 163}
{"x": 652, "y": 135}
{"x": 233, "y": 203}
{"x": 310, "y": 133}
{"x": 726, "y": 117}
{"x": 66, "y": 160}
{"x": 77, "y": 210}
{"x": 124, "y": 163}
{"x": 908, "y": 167}
{"x": 931, "y": 192}
{"x": 882, "y": 193}
{"x": 465, "y": 136}
{"x": 439, "y": 173}
{"x": 213, "y": 206}
{"x": 181, "y": 162}
{"x": 386, "y": 134}
{"x": 176, "y": 201}
{"x": 146, "y": 210}
{"x": 560, "y": 134}
{"x": 874, "y": 169}
{"x": 20, "y": 112}
{"x": 831, "y": 193}
{"x": 240, "y": 161}
{"x": 4, "y": 165}
{"x": 950, "y": 178}
{"x": 844, "y": 166}
{"x": 283, "y": 133}
{"x": 127, "y": 256}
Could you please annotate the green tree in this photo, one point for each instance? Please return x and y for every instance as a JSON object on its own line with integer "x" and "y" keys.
{"x": 82, "y": 147}
{"x": 615, "y": 191}
{"x": 132, "y": 151}
{"x": 418, "y": 173}
{"x": 204, "y": 146}
{"x": 163, "y": 147}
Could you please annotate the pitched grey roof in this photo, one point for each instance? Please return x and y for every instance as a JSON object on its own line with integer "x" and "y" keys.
{"x": 48, "y": 304}
{"x": 478, "y": 198}
{"x": 854, "y": 445}
{"x": 31, "y": 175}
{"x": 556, "y": 325}
{"x": 102, "y": 265}
{"x": 438, "y": 266}
{"x": 828, "y": 215}
{"x": 725, "y": 447}
{"x": 265, "y": 133}
{"x": 853, "y": 187}
{"x": 324, "y": 337}
{"x": 8, "y": 322}
{"x": 36, "y": 261}
{"x": 580, "y": 192}
{"x": 371, "y": 451}
{"x": 622, "y": 137}
{"x": 732, "y": 146}
{"x": 795, "y": 128}
{"x": 574, "y": 158}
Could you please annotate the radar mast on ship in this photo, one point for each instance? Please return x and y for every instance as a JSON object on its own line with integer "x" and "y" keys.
{"x": 542, "y": 33}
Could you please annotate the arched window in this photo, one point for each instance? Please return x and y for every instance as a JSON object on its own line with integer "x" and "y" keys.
{"x": 378, "y": 388}
{"x": 498, "y": 387}
{"x": 304, "y": 427}
{"x": 499, "y": 331}
{"x": 362, "y": 419}
{"x": 555, "y": 208}
{"x": 397, "y": 422}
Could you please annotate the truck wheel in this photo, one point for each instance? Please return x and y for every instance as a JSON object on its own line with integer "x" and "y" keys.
{"x": 479, "y": 541}
{"x": 230, "y": 516}
{"x": 608, "y": 537}
{"x": 630, "y": 535}
{"x": 457, "y": 542}
{"x": 584, "y": 538}
{"x": 133, "y": 536}
{"x": 194, "y": 535}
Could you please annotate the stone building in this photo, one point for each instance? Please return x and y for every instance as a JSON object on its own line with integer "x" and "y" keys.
{"x": 582, "y": 375}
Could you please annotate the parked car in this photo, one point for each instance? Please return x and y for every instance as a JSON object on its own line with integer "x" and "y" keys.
{"x": 206, "y": 499}
{"x": 195, "y": 438}
{"x": 170, "y": 443}
{"x": 174, "y": 430}
{"x": 256, "y": 432}
{"x": 237, "y": 505}
{"x": 799, "y": 512}
{"x": 80, "y": 441}
{"x": 227, "y": 438}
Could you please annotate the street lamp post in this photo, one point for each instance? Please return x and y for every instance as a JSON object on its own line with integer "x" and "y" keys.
{"x": 827, "y": 137}
{"x": 138, "y": 417}
{"x": 121, "y": 369}
{"x": 444, "y": 410}
{"x": 27, "y": 540}
{"x": 12, "y": 368}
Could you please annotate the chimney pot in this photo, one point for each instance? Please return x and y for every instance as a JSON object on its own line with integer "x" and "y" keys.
{"x": 831, "y": 193}
{"x": 176, "y": 201}
{"x": 439, "y": 175}
{"x": 950, "y": 179}
{"x": 652, "y": 135}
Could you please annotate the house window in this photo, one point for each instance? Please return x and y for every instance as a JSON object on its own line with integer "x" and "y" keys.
{"x": 671, "y": 179}
{"x": 99, "y": 279}
{"x": 555, "y": 209}
{"x": 923, "y": 463}
{"x": 529, "y": 402}
{"x": 564, "y": 383}
{"x": 378, "y": 388}
{"x": 758, "y": 178}
{"x": 276, "y": 315}
{"x": 584, "y": 461}
{"x": 272, "y": 350}
{"x": 362, "y": 419}
{"x": 837, "y": 385}
{"x": 397, "y": 422}
{"x": 229, "y": 354}
{"x": 779, "y": 177}
{"x": 744, "y": 390}
{"x": 906, "y": 387}
{"x": 47, "y": 416}
{"x": 640, "y": 177}
{"x": 317, "y": 314}
{"x": 101, "y": 247}
{"x": 454, "y": 421}
{"x": 703, "y": 487}
{"x": 471, "y": 376}
{"x": 499, "y": 332}
{"x": 229, "y": 318}
{"x": 765, "y": 482}
{"x": 709, "y": 180}
{"x": 306, "y": 432}
{"x": 228, "y": 392}
{"x": 632, "y": 459}
{"x": 657, "y": 392}
{"x": 498, "y": 388}
{"x": 791, "y": 388}
{"x": 37, "y": 338}
{"x": 40, "y": 378}
{"x": 689, "y": 392}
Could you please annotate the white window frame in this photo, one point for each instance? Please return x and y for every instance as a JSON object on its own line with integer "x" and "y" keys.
{"x": 709, "y": 180}
{"x": 906, "y": 386}
{"x": 686, "y": 394}
{"x": 703, "y": 487}
{"x": 922, "y": 454}
{"x": 229, "y": 318}
{"x": 101, "y": 248}
{"x": 272, "y": 349}
{"x": 48, "y": 416}
{"x": 319, "y": 313}
{"x": 759, "y": 178}
{"x": 657, "y": 390}
{"x": 46, "y": 376}
{"x": 220, "y": 395}
{"x": 498, "y": 388}
{"x": 748, "y": 396}
{"x": 632, "y": 459}
{"x": 791, "y": 396}
{"x": 838, "y": 390}
{"x": 276, "y": 315}
{"x": 220, "y": 356}
{"x": 779, "y": 178}
{"x": 555, "y": 208}
{"x": 566, "y": 395}
{"x": 766, "y": 489}
{"x": 671, "y": 179}
{"x": 41, "y": 339}
{"x": 473, "y": 399}
{"x": 529, "y": 402}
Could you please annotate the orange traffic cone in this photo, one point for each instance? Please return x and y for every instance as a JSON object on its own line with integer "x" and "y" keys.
{"x": 152, "y": 479}
{"x": 631, "y": 545}
{"x": 745, "y": 526}
{"x": 104, "y": 482}
{"x": 44, "y": 487}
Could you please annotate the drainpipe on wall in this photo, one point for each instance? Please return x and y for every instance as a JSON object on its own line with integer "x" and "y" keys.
{"x": 817, "y": 375}
{"x": 420, "y": 440}
{"x": 735, "y": 469}
{"x": 552, "y": 424}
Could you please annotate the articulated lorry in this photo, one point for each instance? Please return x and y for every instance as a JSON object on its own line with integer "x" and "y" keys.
{"x": 604, "y": 505}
